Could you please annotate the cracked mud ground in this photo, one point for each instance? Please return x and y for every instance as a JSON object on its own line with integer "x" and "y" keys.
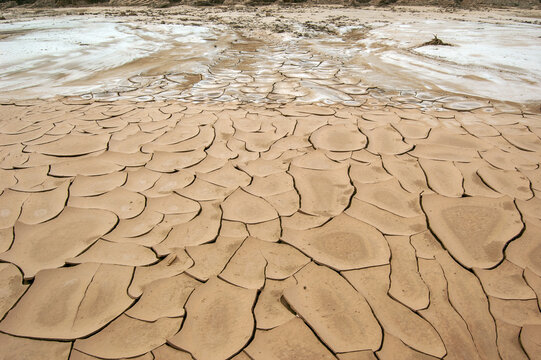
{"x": 167, "y": 230}
{"x": 399, "y": 227}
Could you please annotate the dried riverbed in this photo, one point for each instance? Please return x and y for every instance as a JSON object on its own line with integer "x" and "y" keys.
{"x": 234, "y": 184}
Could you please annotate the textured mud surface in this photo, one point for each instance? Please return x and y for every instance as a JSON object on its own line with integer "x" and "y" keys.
{"x": 257, "y": 221}
{"x": 161, "y": 229}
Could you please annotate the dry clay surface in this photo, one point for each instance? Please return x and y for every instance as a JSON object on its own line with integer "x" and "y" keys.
{"x": 169, "y": 230}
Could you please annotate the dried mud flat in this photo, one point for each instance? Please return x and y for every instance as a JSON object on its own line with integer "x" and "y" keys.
{"x": 388, "y": 226}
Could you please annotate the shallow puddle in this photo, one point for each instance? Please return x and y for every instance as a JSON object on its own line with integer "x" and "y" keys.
{"x": 72, "y": 55}
{"x": 123, "y": 58}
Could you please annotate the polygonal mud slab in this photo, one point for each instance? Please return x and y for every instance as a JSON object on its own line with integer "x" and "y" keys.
{"x": 166, "y": 352}
{"x": 132, "y": 143}
{"x": 245, "y": 207}
{"x": 178, "y": 134}
{"x": 455, "y": 221}
{"x": 227, "y": 176}
{"x": 505, "y": 281}
{"x": 77, "y": 355}
{"x": 525, "y": 251}
{"x": 338, "y": 138}
{"x": 515, "y": 312}
{"x": 506, "y": 182}
{"x": 48, "y": 245}
{"x": 282, "y": 259}
{"x": 364, "y": 156}
{"x": 201, "y": 229}
{"x": 124, "y": 203}
{"x": 156, "y": 235}
{"x": 323, "y": 192}
{"x": 142, "y": 179}
{"x": 535, "y": 178}
{"x": 316, "y": 160}
{"x": 530, "y": 208}
{"x": 11, "y": 283}
{"x": 460, "y": 139}
{"x": 292, "y": 340}
{"x": 209, "y": 164}
{"x": 173, "y": 204}
{"x": 480, "y": 129}
{"x": 29, "y": 349}
{"x": 219, "y": 321}
{"x": 302, "y": 221}
{"x": 396, "y": 319}
{"x": 72, "y": 145}
{"x": 202, "y": 190}
{"x": 165, "y": 184}
{"x": 11, "y": 203}
{"x": 128, "y": 337}
{"x": 337, "y": 313}
{"x": 203, "y": 139}
{"x": 343, "y": 243}
{"x": 527, "y": 142}
{"x": 381, "y": 117}
{"x": 467, "y": 297}
{"x": 444, "y": 152}
{"x": 534, "y": 282}
{"x": 473, "y": 185}
{"x": 507, "y": 161}
{"x": 270, "y": 185}
{"x": 269, "y": 311}
{"x": 286, "y": 204}
{"x": 530, "y": 338}
{"x": 42, "y": 206}
{"x": 412, "y": 129}
{"x": 96, "y": 185}
{"x": 10, "y": 139}
{"x": 407, "y": 171}
{"x": 105, "y": 252}
{"x": 443, "y": 177}
{"x": 210, "y": 259}
{"x": 69, "y": 303}
{"x": 269, "y": 230}
{"x": 509, "y": 345}
{"x": 164, "y": 298}
{"x": 246, "y": 268}
{"x": 168, "y": 162}
{"x": 357, "y": 355}
{"x": 137, "y": 226}
{"x": 233, "y": 229}
{"x": 406, "y": 283}
{"x": 369, "y": 173}
{"x": 6, "y": 239}
{"x": 175, "y": 263}
{"x": 257, "y": 141}
{"x": 443, "y": 317}
{"x": 257, "y": 259}
{"x": 386, "y": 140}
{"x": 385, "y": 221}
{"x": 390, "y": 196}
{"x": 91, "y": 166}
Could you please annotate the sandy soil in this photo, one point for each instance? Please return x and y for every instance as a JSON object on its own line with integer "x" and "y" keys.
{"x": 279, "y": 211}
